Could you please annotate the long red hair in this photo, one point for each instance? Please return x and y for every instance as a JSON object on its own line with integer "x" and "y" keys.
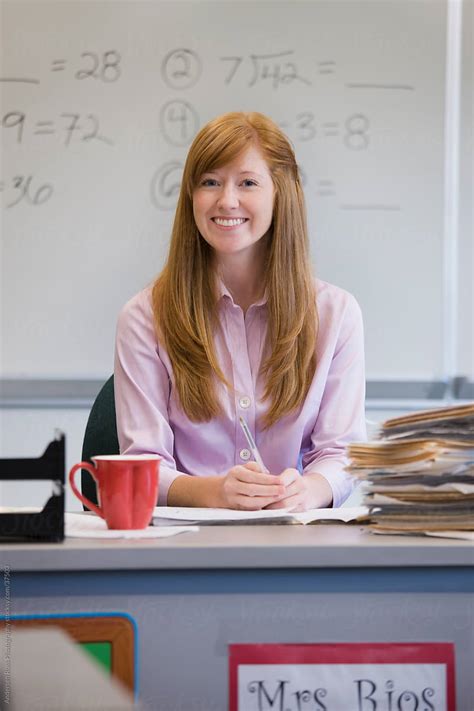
{"x": 184, "y": 294}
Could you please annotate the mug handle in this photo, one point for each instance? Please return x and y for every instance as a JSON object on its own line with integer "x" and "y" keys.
{"x": 93, "y": 471}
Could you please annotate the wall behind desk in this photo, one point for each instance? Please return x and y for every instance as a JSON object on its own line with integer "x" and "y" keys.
{"x": 100, "y": 101}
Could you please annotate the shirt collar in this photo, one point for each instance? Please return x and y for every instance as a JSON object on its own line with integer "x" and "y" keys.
{"x": 223, "y": 292}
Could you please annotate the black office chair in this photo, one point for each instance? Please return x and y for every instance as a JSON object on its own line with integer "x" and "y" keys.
{"x": 100, "y": 436}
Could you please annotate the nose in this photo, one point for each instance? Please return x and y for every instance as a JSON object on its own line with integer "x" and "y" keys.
{"x": 228, "y": 198}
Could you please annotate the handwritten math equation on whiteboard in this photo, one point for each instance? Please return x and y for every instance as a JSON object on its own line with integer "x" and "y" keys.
{"x": 177, "y": 119}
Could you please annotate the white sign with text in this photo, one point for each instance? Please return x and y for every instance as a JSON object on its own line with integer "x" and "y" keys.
{"x": 340, "y": 687}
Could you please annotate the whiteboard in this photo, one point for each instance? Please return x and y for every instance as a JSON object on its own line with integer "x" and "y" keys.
{"x": 466, "y": 201}
{"x": 100, "y": 102}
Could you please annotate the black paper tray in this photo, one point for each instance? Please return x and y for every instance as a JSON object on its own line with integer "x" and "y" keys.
{"x": 46, "y": 525}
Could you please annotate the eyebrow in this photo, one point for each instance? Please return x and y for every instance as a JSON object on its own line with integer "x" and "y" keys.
{"x": 241, "y": 172}
{"x": 252, "y": 172}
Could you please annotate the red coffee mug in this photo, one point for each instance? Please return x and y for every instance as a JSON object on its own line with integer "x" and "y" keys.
{"x": 127, "y": 488}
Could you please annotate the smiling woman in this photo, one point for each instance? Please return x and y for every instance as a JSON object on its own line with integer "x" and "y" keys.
{"x": 233, "y": 208}
{"x": 237, "y": 326}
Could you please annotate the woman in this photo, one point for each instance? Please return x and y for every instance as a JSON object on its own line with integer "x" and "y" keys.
{"x": 236, "y": 326}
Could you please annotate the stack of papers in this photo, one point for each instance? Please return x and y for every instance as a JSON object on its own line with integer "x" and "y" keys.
{"x": 179, "y": 515}
{"x": 446, "y": 423}
{"x": 420, "y": 473}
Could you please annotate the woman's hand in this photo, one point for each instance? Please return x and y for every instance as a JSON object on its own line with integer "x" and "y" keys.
{"x": 311, "y": 491}
{"x": 247, "y": 488}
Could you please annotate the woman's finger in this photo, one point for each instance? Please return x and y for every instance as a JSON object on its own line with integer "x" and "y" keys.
{"x": 252, "y": 503}
{"x": 292, "y": 503}
{"x": 291, "y": 489}
{"x": 269, "y": 490}
{"x": 288, "y": 476}
{"x": 254, "y": 475}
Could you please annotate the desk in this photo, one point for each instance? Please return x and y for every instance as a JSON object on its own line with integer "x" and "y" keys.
{"x": 194, "y": 594}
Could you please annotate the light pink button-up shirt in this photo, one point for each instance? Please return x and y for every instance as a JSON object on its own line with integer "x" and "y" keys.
{"x": 150, "y": 420}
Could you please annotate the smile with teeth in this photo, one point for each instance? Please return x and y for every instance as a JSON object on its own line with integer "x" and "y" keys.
{"x": 229, "y": 222}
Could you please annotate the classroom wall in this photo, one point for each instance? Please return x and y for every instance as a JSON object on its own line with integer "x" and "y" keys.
{"x": 98, "y": 113}
{"x": 359, "y": 86}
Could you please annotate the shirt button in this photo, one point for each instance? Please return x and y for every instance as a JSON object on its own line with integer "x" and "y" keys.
{"x": 245, "y": 454}
{"x": 244, "y": 402}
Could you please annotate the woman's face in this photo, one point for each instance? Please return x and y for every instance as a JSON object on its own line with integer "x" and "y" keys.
{"x": 233, "y": 205}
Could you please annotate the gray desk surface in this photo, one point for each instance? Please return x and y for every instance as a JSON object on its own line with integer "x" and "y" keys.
{"x": 251, "y": 547}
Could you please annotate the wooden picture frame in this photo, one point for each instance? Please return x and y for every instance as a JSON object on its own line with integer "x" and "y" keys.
{"x": 116, "y": 629}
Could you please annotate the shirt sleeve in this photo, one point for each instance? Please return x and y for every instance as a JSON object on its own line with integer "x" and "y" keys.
{"x": 341, "y": 417}
{"x": 142, "y": 391}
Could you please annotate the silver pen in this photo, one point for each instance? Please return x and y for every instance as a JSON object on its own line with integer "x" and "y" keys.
{"x": 252, "y": 445}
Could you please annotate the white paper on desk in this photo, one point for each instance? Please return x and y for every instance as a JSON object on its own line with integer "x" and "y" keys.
{"x": 83, "y": 525}
{"x": 461, "y": 535}
{"x": 20, "y": 509}
{"x": 344, "y": 514}
{"x": 174, "y": 514}
{"x": 182, "y": 514}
